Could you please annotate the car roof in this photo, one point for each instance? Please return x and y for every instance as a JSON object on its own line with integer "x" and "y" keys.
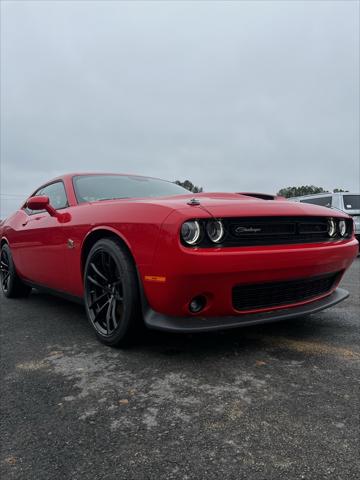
{"x": 85, "y": 174}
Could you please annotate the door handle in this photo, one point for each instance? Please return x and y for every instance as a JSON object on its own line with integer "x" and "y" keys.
{"x": 25, "y": 223}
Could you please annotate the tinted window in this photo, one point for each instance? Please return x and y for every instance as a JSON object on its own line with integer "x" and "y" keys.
{"x": 56, "y": 193}
{"x": 90, "y": 188}
{"x": 352, "y": 202}
{"x": 57, "y": 196}
{"x": 323, "y": 201}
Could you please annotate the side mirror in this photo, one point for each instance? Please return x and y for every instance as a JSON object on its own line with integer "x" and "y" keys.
{"x": 37, "y": 203}
{"x": 41, "y": 203}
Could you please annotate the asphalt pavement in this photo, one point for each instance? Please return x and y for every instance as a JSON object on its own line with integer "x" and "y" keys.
{"x": 278, "y": 401}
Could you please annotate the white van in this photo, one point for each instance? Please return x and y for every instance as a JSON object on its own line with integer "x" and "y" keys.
{"x": 344, "y": 201}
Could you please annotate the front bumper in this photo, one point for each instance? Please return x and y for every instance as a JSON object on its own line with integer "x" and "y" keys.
{"x": 159, "y": 321}
{"x": 188, "y": 273}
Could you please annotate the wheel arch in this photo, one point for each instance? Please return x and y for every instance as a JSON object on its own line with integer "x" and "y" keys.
{"x": 4, "y": 241}
{"x": 97, "y": 234}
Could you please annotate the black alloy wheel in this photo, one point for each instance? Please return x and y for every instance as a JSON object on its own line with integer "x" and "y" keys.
{"x": 5, "y": 270}
{"x": 105, "y": 288}
{"x": 111, "y": 293}
{"x": 11, "y": 284}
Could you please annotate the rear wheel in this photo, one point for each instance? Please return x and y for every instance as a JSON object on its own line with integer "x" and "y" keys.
{"x": 111, "y": 293}
{"x": 11, "y": 284}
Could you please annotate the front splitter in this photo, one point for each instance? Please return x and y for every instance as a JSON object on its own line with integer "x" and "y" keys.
{"x": 158, "y": 321}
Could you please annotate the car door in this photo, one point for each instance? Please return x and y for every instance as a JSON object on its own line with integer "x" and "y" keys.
{"x": 43, "y": 241}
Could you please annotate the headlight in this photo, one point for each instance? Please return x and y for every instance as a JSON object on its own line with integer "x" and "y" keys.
{"x": 215, "y": 230}
{"x": 190, "y": 232}
{"x": 342, "y": 228}
{"x": 331, "y": 227}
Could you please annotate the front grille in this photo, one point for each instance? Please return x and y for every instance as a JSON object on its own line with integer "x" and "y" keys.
{"x": 266, "y": 295}
{"x": 276, "y": 230}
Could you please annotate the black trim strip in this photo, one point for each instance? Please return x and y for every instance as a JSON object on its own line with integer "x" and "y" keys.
{"x": 53, "y": 291}
{"x": 158, "y": 321}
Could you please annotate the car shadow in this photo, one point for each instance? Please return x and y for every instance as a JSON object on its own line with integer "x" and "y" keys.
{"x": 236, "y": 341}
{"x": 250, "y": 340}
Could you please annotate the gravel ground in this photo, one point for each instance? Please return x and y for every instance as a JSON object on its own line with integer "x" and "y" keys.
{"x": 268, "y": 402}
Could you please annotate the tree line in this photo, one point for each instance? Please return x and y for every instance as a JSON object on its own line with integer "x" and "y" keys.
{"x": 189, "y": 186}
{"x": 289, "y": 192}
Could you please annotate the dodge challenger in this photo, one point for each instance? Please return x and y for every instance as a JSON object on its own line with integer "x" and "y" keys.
{"x": 142, "y": 251}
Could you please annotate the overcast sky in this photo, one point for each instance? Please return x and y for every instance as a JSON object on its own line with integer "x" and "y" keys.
{"x": 234, "y": 96}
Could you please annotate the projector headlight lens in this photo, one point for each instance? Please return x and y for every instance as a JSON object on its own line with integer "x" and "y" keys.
{"x": 331, "y": 227}
{"x": 215, "y": 230}
{"x": 342, "y": 228}
{"x": 190, "y": 232}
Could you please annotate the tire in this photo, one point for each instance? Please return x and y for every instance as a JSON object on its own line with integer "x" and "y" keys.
{"x": 111, "y": 293}
{"x": 11, "y": 284}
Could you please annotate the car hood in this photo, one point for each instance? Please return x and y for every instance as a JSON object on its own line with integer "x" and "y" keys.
{"x": 233, "y": 205}
{"x": 224, "y": 204}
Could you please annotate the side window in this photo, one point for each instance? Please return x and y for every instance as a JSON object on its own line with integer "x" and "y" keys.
{"x": 322, "y": 201}
{"x": 56, "y": 193}
{"x": 57, "y": 196}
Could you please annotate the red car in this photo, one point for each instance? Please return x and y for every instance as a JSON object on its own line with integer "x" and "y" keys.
{"x": 140, "y": 250}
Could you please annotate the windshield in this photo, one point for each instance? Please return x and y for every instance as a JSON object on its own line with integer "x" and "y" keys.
{"x": 91, "y": 188}
{"x": 352, "y": 202}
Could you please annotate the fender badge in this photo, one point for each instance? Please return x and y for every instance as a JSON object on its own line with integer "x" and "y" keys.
{"x": 70, "y": 243}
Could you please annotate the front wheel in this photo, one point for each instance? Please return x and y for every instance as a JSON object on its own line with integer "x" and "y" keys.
{"x": 111, "y": 293}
